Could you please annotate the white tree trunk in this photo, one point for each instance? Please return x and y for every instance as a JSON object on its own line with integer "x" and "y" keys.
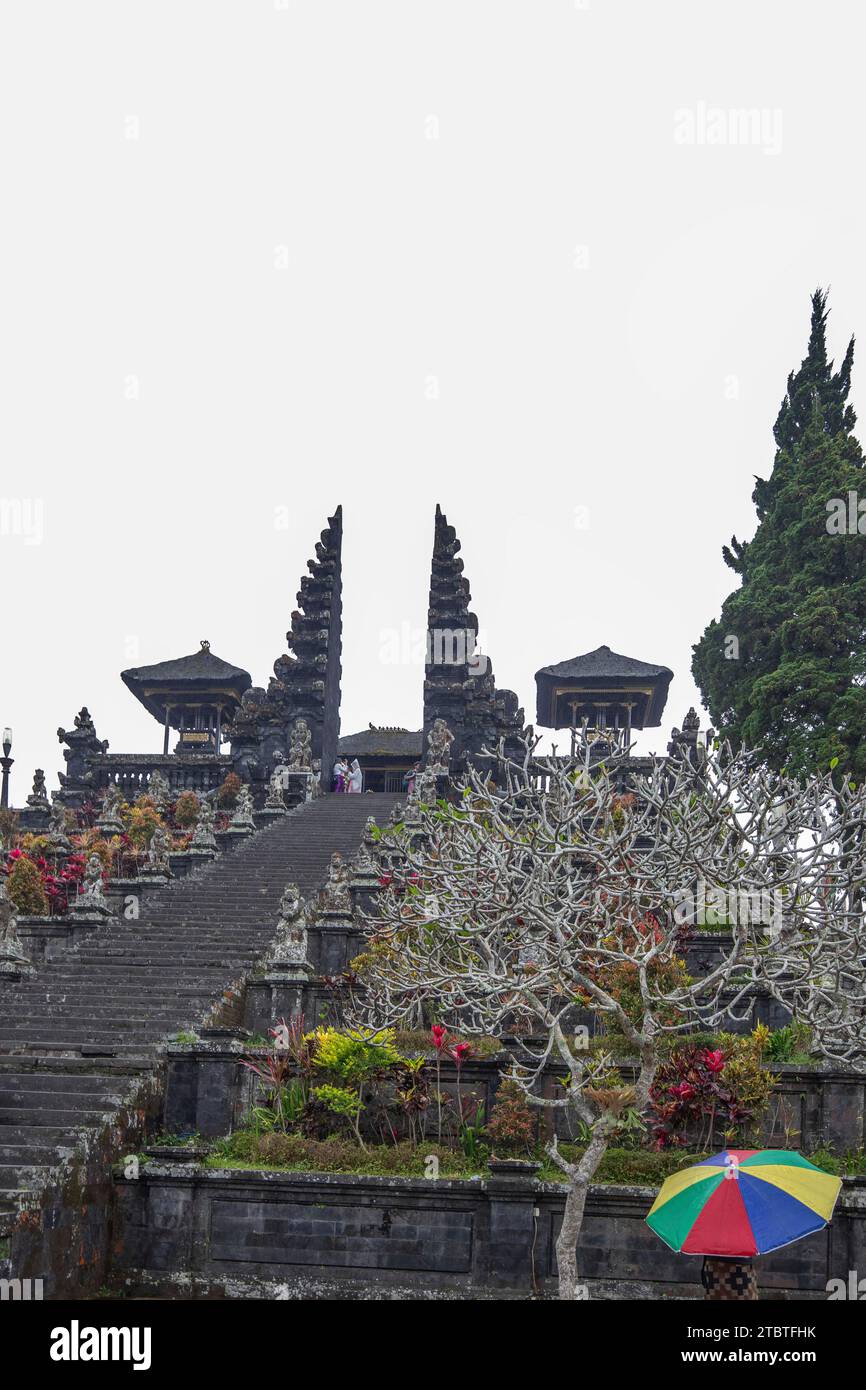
{"x": 572, "y": 1218}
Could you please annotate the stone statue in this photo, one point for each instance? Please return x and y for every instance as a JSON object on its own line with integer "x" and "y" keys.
{"x": 13, "y": 962}
{"x": 370, "y": 837}
{"x": 156, "y": 860}
{"x": 365, "y": 866}
{"x": 290, "y": 944}
{"x": 109, "y": 820}
{"x": 334, "y": 897}
{"x": 684, "y": 742}
{"x": 38, "y": 798}
{"x": 275, "y": 801}
{"x": 439, "y": 741}
{"x": 57, "y": 837}
{"x": 301, "y": 747}
{"x": 158, "y": 790}
{"x": 92, "y": 895}
{"x": 425, "y": 787}
{"x": 243, "y": 816}
{"x": 83, "y": 749}
{"x": 203, "y": 838}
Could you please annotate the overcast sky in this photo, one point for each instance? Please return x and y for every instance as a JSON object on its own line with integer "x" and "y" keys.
{"x": 514, "y": 256}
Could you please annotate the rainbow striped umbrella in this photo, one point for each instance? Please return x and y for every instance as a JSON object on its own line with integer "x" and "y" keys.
{"x": 743, "y": 1202}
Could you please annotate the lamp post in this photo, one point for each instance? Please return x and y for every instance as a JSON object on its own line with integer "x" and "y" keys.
{"x": 6, "y": 762}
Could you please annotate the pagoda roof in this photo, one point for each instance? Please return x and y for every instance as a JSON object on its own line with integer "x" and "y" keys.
{"x": 599, "y": 678}
{"x": 602, "y": 663}
{"x": 387, "y": 742}
{"x": 200, "y": 673}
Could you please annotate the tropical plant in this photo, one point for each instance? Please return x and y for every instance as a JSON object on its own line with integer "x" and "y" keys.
{"x": 186, "y": 809}
{"x": 227, "y": 793}
{"x": 25, "y": 886}
{"x": 511, "y": 1127}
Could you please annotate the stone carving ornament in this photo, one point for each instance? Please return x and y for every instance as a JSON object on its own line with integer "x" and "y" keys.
{"x": 301, "y": 747}
{"x": 158, "y": 790}
{"x": 57, "y": 837}
{"x": 38, "y": 798}
{"x": 92, "y": 895}
{"x": 290, "y": 945}
{"x": 275, "y": 801}
{"x": 439, "y": 741}
{"x": 204, "y": 837}
{"x": 243, "y": 816}
{"x": 110, "y": 819}
{"x": 157, "y": 860}
{"x": 335, "y": 894}
{"x": 13, "y": 961}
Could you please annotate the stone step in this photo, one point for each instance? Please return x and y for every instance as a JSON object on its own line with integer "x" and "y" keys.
{"x": 17, "y": 1155}
{"x": 59, "y": 1100}
{"x": 124, "y": 1071}
{"x": 13, "y": 1177}
{"x": 56, "y": 1135}
{"x": 52, "y": 1082}
{"x": 101, "y": 1021}
{"x": 66, "y": 1040}
{"x": 35, "y": 1117}
{"x": 85, "y": 992}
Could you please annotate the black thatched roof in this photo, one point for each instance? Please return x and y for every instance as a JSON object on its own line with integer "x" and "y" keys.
{"x": 601, "y": 676}
{"x": 200, "y": 673}
{"x": 388, "y": 742}
{"x": 602, "y": 664}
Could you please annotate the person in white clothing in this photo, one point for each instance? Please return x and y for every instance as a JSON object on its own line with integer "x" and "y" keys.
{"x": 356, "y": 777}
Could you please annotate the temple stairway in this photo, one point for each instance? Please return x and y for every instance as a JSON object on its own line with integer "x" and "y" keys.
{"x": 78, "y": 1040}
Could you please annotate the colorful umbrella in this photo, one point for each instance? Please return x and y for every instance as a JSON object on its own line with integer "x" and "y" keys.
{"x": 743, "y": 1202}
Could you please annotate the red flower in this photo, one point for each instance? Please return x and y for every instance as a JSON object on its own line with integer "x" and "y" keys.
{"x": 385, "y": 881}
{"x": 713, "y": 1061}
{"x": 684, "y": 1091}
{"x": 460, "y": 1051}
{"x": 439, "y": 1036}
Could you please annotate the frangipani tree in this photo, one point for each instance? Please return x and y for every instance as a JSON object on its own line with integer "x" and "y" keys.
{"x": 566, "y": 890}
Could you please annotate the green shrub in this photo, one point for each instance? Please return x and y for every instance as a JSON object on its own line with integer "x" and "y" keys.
{"x": 186, "y": 809}
{"x": 227, "y": 794}
{"x": 511, "y": 1127}
{"x": 25, "y": 888}
{"x": 791, "y": 1043}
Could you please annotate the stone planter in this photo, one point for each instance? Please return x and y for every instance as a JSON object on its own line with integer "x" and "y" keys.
{"x": 177, "y": 1153}
{"x": 513, "y": 1168}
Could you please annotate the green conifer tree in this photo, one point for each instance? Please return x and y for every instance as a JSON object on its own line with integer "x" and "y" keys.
{"x": 784, "y": 667}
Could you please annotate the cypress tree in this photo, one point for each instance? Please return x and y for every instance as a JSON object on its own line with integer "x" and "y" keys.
{"x": 783, "y": 669}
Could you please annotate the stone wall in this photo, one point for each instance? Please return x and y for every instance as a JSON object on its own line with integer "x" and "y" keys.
{"x": 302, "y": 1235}
{"x": 209, "y": 1093}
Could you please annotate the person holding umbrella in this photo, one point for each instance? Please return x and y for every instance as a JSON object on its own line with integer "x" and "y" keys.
{"x": 738, "y": 1204}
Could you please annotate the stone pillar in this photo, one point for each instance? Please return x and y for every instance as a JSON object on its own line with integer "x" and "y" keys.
{"x": 275, "y": 994}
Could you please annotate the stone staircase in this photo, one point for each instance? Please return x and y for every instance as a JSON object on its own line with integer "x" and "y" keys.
{"x": 81, "y": 1043}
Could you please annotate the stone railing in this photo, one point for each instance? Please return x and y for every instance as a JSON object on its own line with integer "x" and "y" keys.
{"x": 131, "y": 772}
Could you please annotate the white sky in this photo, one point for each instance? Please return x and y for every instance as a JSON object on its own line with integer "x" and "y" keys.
{"x": 638, "y": 377}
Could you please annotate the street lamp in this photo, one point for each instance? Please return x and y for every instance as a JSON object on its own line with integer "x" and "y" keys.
{"x": 6, "y": 762}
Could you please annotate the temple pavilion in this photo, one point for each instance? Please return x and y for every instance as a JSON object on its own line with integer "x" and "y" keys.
{"x": 601, "y": 689}
{"x": 196, "y": 695}
{"x": 385, "y": 754}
